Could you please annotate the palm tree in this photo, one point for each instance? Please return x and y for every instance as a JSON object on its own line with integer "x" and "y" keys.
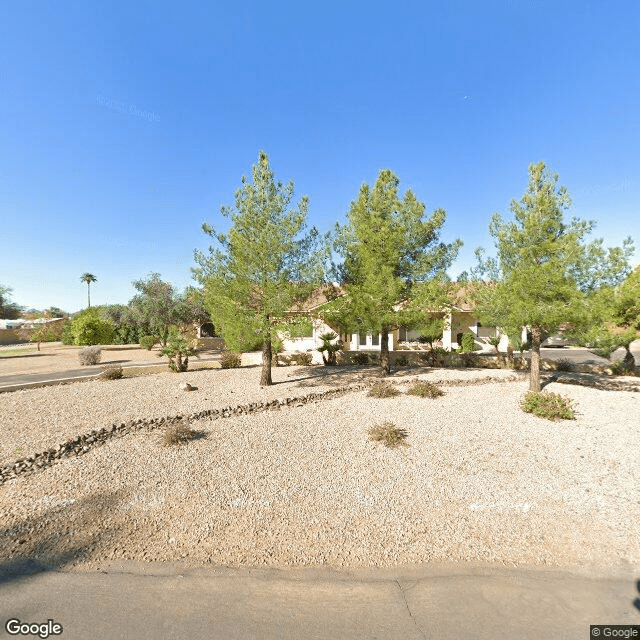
{"x": 88, "y": 278}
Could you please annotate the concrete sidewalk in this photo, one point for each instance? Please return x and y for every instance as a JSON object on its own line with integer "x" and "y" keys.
{"x": 167, "y": 601}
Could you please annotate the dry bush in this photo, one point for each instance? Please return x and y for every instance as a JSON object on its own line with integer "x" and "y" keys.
{"x": 383, "y": 390}
{"x": 390, "y": 435}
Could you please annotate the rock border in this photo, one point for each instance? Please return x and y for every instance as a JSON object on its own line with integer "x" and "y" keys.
{"x": 97, "y": 437}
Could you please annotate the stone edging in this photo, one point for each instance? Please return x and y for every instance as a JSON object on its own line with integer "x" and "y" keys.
{"x": 82, "y": 444}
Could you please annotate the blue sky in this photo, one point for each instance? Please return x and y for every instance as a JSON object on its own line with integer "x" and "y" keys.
{"x": 124, "y": 126}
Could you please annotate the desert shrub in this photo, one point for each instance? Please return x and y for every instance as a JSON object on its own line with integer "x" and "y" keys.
{"x": 178, "y": 434}
{"x": 564, "y": 364}
{"x": 551, "y": 406}
{"x": 468, "y": 342}
{"x": 329, "y": 349}
{"x": 89, "y": 355}
{"x": 425, "y": 390}
{"x": 360, "y": 358}
{"x": 402, "y": 361}
{"x": 387, "y": 433}
{"x": 148, "y": 342}
{"x": 88, "y": 328}
{"x": 622, "y": 368}
{"x": 283, "y": 360}
{"x": 383, "y": 390}
{"x": 469, "y": 359}
{"x": 230, "y": 360}
{"x": 303, "y": 359}
{"x": 178, "y": 351}
{"x": 113, "y": 372}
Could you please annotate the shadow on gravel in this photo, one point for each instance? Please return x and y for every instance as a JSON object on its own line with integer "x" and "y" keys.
{"x": 636, "y": 602}
{"x": 63, "y": 534}
{"x": 26, "y": 355}
{"x": 344, "y": 376}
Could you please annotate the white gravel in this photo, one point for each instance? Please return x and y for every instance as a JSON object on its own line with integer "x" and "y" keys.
{"x": 481, "y": 480}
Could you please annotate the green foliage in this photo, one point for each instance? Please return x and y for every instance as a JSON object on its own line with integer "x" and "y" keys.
{"x": 158, "y": 306}
{"x": 66, "y": 336}
{"x": 551, "y": 406}
{"x": 402, "y": 361}
{"x": 90, "y": 355}
{"x": 230, "y": 360}
{"x": 126, "y": 328}
{"x": 112, "y": 372}
{"x": 178, "y": 351}
{"x": 388, "y": 249}
{"x": 425, "y": 390}
{"x": 277, "y": 346}
{"x": 468, "y": 342}
{"x": 8, "y": 310}
{"x": 431, "y": 331}
{"x": 329, "y": 349}
{"x": 387, "y": 433}
{"x": 88, "y": 328}
{"x": 383, "y": 390}
{"x": 263, "y": 268}
{"x": 544, "y": 271}
{"x": 148, "y": 342}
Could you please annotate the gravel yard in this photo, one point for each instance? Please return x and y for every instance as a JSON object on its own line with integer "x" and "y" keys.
{"x": 480, "y": 479}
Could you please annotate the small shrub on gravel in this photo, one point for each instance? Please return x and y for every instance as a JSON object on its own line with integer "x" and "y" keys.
{"x": 89, "y": 355}
{"x": 179, "y": 434}
{"x": 551, "y": 406}
{"x": 148, "y": 342}
{"x": 302, "y": 359}
{"x": 468, "y": 342}
{"x": 425, "y": 390}
{"x": 113, "y": 372}
{"x": 387, "y": 433}
{"x": 230, "y": 360}
{"x": 402, "y": 361}
{"x": 383, "y": 390}
{"x": 564, "y": 364}
{"x": 360, "y": 358}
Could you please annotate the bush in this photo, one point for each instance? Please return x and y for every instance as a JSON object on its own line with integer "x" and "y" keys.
{"x": 383, "y": 390}
{"x": 551, "y": 406}
{"x": 302, "y": 359}
{"x": 148, "y": 342}
{"x": 564, "y": 364}
{"x": 66, "y": 337}
{"x": 113, "y": 372}
{"x": 329, "y": 349}
{"x": 360, "y": 358}
{"x": 230, "y": 360}
{"x": 425, "y": 390}
{"x": 281, "y": 360}
{"x": 179, "y": 434}
{"x": 89, "y": 355}
{"x": 276, "y": 349}
{"x": 402, "y": 361}
{"x": 469, "y": 359}
{"x": 178, "y": 351}
{"x": 468, "y": 342}
{"x": 88, "y": 328}
{"x": 387, "y": 433}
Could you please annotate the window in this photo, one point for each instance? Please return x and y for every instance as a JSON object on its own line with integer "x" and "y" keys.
{"x": 375, "y": 340}
{"x": 362, "y": 339}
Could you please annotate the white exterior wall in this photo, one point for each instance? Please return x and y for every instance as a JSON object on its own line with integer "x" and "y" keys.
{"x": 368, "y": 345}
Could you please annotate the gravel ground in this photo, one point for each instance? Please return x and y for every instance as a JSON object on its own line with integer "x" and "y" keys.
{"x": 480, "y": 479}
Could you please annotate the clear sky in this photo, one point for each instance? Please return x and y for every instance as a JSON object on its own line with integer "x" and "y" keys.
{"x": 125, "y": 125}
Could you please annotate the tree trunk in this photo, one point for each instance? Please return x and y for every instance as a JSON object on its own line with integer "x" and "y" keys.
{"x": 89, "y": 295}
{"x": 629, "y": 360}
{"x": 534, "y": 376}
{"x": 384, "y": 352}
{"x": 265, "y": 377}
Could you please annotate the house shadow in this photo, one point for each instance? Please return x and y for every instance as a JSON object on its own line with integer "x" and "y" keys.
{"x": 636, "y": 602}
{"x": 64, "y": 534}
